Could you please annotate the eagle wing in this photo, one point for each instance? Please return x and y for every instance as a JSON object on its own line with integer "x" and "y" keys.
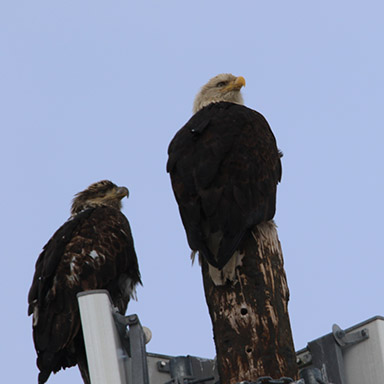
{"x": 224, "y": 166}
{"x": 93, "y": 250}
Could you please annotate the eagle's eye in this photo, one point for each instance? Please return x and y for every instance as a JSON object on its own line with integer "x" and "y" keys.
{"x": 221, "y": 84}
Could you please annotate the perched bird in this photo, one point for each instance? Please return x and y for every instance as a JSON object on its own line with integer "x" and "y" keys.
{"x": 224, "y": 166}
{"x": 93, "y": 249}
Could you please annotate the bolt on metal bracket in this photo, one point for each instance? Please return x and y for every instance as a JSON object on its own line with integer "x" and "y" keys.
{"x": 345, "y": 340}
{"x": 163, "y": 366}
{"x": 304, "y": 359}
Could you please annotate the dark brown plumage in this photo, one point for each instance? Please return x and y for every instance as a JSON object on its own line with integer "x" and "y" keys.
{"x": 93, "y": 250}
{"x": 224, "y": 166}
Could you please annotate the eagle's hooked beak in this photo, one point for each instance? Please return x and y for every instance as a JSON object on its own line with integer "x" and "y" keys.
{"x": 240, "y": 82}
{"x": 122, "y": 192}
{"x": 236, "y": 84}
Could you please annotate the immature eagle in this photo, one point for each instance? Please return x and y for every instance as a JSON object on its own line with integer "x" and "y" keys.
{"x": 92, "y": 250}
{"x": 224, "y": 166}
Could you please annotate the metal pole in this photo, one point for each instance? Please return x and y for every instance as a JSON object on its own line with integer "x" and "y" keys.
{"x": 105, "y": 354}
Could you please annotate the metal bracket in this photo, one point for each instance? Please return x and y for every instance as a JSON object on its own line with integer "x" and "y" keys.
{"x": 304, "y": 359}
{"x": 133, "y": 341}
{"x": 187, "y": 370}
{"x": 345, "y": 340}
{"x": 312, "y": 376}
{"x": 326, "y": 355}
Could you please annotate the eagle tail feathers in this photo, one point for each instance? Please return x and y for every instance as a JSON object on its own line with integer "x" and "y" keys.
{"x": 228, "y": 246}
{"x": 207, "y": 254}
{"x": 43, "y": 376}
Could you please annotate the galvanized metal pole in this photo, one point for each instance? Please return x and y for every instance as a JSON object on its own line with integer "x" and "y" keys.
{"x": 105, "y": 354}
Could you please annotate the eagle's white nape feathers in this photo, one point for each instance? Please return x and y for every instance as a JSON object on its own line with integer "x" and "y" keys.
{"x": 223, "y": 87}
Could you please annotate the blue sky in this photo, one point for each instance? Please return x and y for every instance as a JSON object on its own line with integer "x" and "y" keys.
{"x": 94, "y": 89}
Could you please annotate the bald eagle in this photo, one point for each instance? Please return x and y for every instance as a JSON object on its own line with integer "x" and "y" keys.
{"x": 224, "y": 166}
{"x": 93, "y": 250}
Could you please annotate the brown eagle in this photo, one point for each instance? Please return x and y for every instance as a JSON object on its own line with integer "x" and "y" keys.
{"x": 224, "y": 167}
{"x": 92, "y": 250}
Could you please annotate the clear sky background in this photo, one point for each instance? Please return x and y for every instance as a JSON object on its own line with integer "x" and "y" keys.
{"x": 93, "y": 90}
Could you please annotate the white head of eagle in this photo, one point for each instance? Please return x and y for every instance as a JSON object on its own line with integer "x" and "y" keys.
{"x": 224, "y": 166}
{"x": 223, "y": 87}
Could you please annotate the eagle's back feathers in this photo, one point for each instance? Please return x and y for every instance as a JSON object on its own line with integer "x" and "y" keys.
{"x": 92, "y": 250}
{"x": 224, "y": 166}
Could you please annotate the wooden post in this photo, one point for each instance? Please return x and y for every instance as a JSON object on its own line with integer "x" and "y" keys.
{"x": 249, "y": 314}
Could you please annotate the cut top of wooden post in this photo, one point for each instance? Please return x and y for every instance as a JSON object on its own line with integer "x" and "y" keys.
{"x": 249, "y": 312}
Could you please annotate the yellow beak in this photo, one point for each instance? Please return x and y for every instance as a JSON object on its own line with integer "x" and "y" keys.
{"x": 236, "y": 84}
{"x": 240, "y": 82}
